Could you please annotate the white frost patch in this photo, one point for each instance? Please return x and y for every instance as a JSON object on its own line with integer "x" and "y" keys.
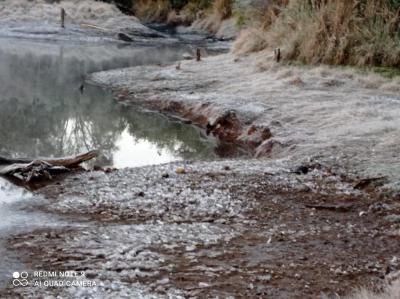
{"x": 86, "y": 20}
{"x": 86, "y": 11}
{"x": 391, "y": 292}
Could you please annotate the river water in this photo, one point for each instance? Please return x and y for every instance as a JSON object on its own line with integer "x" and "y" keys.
{"x": 47, "y": 110}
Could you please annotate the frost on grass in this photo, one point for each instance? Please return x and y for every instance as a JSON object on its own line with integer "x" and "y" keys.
{"x": 87, "y": 20}
{"x": 96, "y": 13}
{"x": 391, "y": 291}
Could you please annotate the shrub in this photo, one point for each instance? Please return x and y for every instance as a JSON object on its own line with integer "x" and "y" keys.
{"x": 356, "y": 32}
{"x": 223, "y": 8}
{"x": 152, "y": 10}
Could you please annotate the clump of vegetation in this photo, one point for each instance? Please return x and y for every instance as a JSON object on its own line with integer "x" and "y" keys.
{"x": 182, "y": 11}
{"x": 354, "y": 32}
{"x": 223, "y": 8}
{"x": 189, "y": 12}
{"x": 152, "y": 10}
{"x": 170, "y": 11}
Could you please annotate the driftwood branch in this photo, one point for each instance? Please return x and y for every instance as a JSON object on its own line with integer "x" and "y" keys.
{"x": 29, "y": 169}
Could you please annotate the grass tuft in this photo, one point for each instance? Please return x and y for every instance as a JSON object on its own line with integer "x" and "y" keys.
{"x": 152, "y": 10}
{"x": 353, "y": 32}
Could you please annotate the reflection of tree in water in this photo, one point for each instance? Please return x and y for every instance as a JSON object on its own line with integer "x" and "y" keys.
{"x": 43, "y": 113}
{"x": 37, "y": 129}
{"x": 183, "y": 140}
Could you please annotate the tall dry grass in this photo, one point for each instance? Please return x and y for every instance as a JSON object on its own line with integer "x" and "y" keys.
{"x": 185, "y": 13}
{"x": 189, "y": 12}
{"x": 223, "y": 8}
{"x": 213, "y": 17}
{"x": 152, "y": 10}
{"x": 390, "y": 292}
{"x": 355, "y": 32}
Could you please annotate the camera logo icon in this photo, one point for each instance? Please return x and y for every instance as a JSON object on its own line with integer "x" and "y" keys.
{"x": 20, "y": 279}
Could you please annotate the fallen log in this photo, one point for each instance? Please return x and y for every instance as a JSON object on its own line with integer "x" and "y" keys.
{"x": 28, "y": 169}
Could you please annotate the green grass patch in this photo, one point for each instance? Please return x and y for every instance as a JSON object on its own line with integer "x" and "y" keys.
{"x": 387, "y": 72}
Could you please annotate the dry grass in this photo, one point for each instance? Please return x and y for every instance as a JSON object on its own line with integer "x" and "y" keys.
{"x": 331, "y": 31}
{"x": 208, "y": 14}
{"x": 190, "y": 12}
{"x": 250, "y": 40}
{"x": 219, "y": 11}
{"x": 391, "y": 292}
{"x": 223, "y": 8}
{"x": 152, "y": 10}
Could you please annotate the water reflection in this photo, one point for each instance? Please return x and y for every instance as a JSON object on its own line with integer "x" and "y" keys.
{"x": 44, "y": 112}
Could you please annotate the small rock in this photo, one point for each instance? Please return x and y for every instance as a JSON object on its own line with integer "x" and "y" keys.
{"x": 187, "y": 56}
{"x": 304, "y": 188}
{"x": 115, "y": 287}
{"x": 393, "y": 218}
{"x": 376, "y": 207}
{"x": 101, "y": 256}
{"x": 164, "y": 280}
{"x": 267, "y": 277}
{"x": 124, "y": 37}
{"x": 190, "y": 248}
{"x": 301, "y": 170}
{"x": 109, "y": 169}
{"x": 180, "y": 170}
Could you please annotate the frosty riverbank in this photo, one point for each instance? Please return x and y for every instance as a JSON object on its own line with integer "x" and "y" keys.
{"x": 336, "y": 115}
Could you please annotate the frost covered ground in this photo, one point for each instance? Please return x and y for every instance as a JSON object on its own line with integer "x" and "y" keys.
{"x": 87, "y": 20}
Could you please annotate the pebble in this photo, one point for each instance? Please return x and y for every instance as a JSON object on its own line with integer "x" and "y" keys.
{"x": 180, "y": 170}
{"x": 393, "y": 218}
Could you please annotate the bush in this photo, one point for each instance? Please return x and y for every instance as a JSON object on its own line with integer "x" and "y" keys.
{"x": 152, "y": 10}
{"x": 356, "y": 32}
{"x": 223, "y": 8}
{"x": 166, "y": 10}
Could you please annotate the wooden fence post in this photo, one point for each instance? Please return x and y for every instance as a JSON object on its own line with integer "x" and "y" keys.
{"x": 198, "y": 54}
{"x": 62, "y": 18}
{"x": 277, "y": 54}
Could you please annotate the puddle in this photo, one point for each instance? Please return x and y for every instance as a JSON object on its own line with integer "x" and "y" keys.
{"x": 46, "y": 111}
